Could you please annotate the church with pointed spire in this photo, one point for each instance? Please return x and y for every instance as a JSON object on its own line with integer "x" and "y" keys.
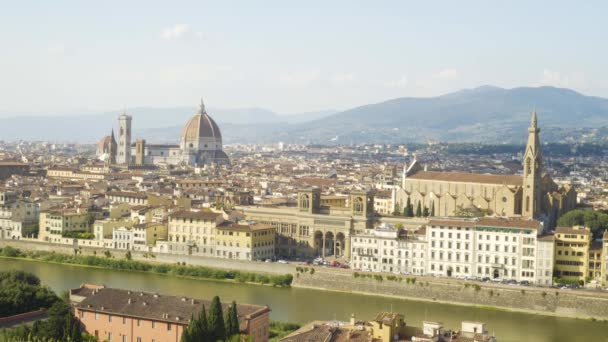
{"x": 200, "y": 144}
{"x": 533, "y": 194}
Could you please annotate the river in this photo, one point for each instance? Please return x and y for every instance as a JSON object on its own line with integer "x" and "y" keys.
{"x": 303, "y": 305}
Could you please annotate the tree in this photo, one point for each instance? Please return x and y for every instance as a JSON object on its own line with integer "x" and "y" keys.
{"x": 397, "y": 210}
{"x": 232, "y": 321}
{"x": 597, "y": 221}
{"x": 409, "y": 208}
{"x": 202, "y": 327}
{"x": 128, "y": 256}
{"x": 217, "y": 329}
{"x": 433, "y": 208}
{"x": 425, "y": 211}
{"x": 418, "y": 210}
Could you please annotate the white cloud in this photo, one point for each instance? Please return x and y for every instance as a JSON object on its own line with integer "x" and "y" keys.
{"x": 300, "y": 78}
{"x": 447, "y": 74}
{"x": 342, "y": 78}
{"x": 398, "y": 83}
{"x": 180, "y": 31}
{"x": 554, "y": 78}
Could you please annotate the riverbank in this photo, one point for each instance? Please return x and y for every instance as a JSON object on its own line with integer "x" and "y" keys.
{"x": 531, "y": 300}
{"x": 180, "y": 270}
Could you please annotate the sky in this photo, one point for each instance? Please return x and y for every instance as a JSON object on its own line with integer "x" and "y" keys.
{"x": 289, "y": 56}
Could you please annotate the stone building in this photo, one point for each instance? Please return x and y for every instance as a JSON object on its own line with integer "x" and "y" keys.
{"x": 200, "y": 144}
{"x": 112, "y": 314}
{"x": 311, "y": 229}
{"x": 533, "y": 194}
{"x": 498, "y": 248}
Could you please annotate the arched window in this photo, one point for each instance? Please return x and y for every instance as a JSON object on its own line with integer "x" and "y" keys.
{"x": 528, "y": 166}
{"x": 527, "y": 203}
{"x": 358, "y": 205}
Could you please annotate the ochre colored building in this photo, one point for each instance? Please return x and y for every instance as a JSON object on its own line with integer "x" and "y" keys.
{"x": 572, "y": 247}
{"x": 118, "y": 315}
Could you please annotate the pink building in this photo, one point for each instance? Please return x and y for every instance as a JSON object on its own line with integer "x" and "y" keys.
{"x": 118, "y": 315}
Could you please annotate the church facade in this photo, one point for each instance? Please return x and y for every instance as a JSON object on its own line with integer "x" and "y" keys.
{"x": 531, "y": 195}
{"x": 200, "y": 144}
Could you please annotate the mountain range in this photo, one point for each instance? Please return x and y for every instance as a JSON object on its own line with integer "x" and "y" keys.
{"x": 485, "y": 114}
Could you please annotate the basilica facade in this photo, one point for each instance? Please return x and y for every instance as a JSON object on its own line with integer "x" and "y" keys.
{"x": 200, "y": 144}
{"x": 532, "y": 195}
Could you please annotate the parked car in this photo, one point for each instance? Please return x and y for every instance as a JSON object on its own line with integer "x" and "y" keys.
{"x": 485, "y": 279}
{"x": 281, "y": 261}
{"x": 524, "y": 283}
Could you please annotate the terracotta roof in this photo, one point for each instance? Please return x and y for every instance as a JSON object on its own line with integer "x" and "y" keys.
{"x": 487, "y": 222}
{"x": 572, "y": 230}
{"x": 463, "y": 177}
{"x": 508, "y": 222}
{"x": 127, "y": 194}
{"x": 195, "y": 215}
{"x": 242, "y": 227}
{"x": 452, "y": 222}
{"x": 153, "y": 306}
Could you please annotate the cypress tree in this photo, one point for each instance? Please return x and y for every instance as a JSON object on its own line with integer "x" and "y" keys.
{"x": 433, "y": 208}
{"x": 217, "y": 329}
{"x": 76, "y": 335}
{"x": 186, "y": 337}
{"x": 229, "y": 322}
{"x": 69, "y": 325}
{"x": 202, "y": 325}
{"x": 425, "y": 211}
{"x": 418, "y": 210}
{"x": 410, "y": 210}
{"x": 232, "y": 321}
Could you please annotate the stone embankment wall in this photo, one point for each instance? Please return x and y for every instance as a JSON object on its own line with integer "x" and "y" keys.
{"x": 247, "y": 266}
{"x": 580, "y": 304}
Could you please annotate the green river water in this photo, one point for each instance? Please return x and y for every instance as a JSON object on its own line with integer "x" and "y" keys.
{"x": 303, "y": 305}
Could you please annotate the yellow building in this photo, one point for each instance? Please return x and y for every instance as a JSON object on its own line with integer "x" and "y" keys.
{"x": 55, "y": 223}
{"x": 572, "y": 247}
{"x": 193, "y": 232}
{"x": 595, "y": 261}
{"x": 244, "y": 241}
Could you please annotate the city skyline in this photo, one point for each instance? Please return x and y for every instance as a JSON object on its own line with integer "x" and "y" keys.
{"x": 288, "y": 59}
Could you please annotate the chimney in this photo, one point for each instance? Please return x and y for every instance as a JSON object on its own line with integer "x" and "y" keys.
{"x": 192, "y": 301}
{"x": 353, "y": 319}
{"x": 129, "y": 301}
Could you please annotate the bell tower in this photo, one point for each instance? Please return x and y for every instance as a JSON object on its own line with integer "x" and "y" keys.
{"x": 532, "y": 163}
{"x": 124, "y": 139}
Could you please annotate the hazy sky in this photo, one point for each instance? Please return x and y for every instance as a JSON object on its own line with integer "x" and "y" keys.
{"x": 289, "y": 56}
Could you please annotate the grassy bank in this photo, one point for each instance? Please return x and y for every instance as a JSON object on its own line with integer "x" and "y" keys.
{"x": 278, "y": 330}
{"x": 109, "y": 261}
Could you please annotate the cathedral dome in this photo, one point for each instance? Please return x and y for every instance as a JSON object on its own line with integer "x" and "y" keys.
{"x": 107, "y": 144}
{"x": 201, "y": 133}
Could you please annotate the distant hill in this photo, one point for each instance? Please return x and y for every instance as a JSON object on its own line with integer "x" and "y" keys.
{"x": 484, "y": 114}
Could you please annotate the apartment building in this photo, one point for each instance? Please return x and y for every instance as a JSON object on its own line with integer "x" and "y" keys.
{"x": 54, "y": 223}
{"x": 123, "y": 315}
{"x": 500, "y": 248}
{"x": 572, "y": 246}
{"x": 193, "y": 232}
{"x": 244, "y": 241}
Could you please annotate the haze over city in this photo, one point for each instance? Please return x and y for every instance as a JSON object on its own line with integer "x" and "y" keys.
{"x": 71, "y": 57}
{"x": 273, "y": 171}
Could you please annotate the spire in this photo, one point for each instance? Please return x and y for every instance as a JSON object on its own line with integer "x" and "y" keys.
{"x": 534, "y": 121}
{"x": 202, "y": 109}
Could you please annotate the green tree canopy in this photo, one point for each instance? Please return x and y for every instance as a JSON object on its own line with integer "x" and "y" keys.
{"x": 596, "y": 220}
{"x": 217, "y": 328}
